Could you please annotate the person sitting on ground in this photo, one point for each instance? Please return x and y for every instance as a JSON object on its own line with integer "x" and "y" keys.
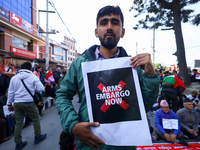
{"x": 193, "y": 96}
{"x": 3, "y": 130}
{"x": 163, "y": 115}
{"x": 188, "y": 119}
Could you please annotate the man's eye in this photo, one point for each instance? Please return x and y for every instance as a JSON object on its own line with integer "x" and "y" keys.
{"x": 116, "y": 23}
{"x": 103, "y": 23}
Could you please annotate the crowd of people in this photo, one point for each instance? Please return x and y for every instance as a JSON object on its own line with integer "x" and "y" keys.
{"x": 175, "y": 108}
{"x": 18, "y": 96}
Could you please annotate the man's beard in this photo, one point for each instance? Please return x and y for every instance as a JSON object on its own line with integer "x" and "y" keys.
{"x": 110, "y": 43}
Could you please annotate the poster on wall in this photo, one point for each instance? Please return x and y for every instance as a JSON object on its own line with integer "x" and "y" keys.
{"x": 114, "y": 100}
{"x": 15, "y": 19}
{"x": 4, "y": 13}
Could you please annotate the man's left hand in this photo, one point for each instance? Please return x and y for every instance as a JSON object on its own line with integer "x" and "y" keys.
{"x": 143, "y": 61}
{"x": 173, "y": 138}
{"x": 10, "y": 108}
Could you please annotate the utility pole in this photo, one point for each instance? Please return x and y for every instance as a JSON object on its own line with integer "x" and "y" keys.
{"x": 47, "y": 37}
{"x": 153, "y": 46}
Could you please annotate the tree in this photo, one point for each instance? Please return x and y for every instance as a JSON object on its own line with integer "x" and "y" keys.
{"x": 168, "y": 13}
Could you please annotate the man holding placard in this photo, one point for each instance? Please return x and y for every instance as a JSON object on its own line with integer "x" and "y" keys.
{"x": 167, "y": 125}
{"x": 109, "y": 31}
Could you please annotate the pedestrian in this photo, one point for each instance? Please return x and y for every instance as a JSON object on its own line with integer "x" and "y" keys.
{"x": 170, "y": 135}
{"x": 63, "y": 73}
{"x": 7, "y": 71}
{"x": 35, "y": 65}
{"x": 37, "y": 71}
{"x": 188, "y": 119}
{"x": 53, "y": 90}
{"x": 109, "y": 31}
{"x": 56, "y": 75}
{"x": 49, "y": 80}
{"x": 23, "y": 103}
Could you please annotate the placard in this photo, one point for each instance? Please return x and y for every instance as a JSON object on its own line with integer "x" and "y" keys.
{"x": 114, "y": 100}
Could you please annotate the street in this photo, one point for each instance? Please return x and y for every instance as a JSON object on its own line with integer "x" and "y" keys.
{"x": 50, "y": 124}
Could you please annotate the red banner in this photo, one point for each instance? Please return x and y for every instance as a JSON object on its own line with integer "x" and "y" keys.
{"x": 15, "y": 19}
{"x": 192, "y": 146}
{"x": 21, "y": 52}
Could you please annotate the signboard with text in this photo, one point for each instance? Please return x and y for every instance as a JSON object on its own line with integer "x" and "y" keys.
{"x": 4, "y": 13}
{"x": 114, "y": 100}
{"x": 27, "y": 26}
{"x": 21, "y": 52}
{"x": 15, "y": 19}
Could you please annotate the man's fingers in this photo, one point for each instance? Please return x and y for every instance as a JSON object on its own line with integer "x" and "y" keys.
{"x": 93, "y": 124}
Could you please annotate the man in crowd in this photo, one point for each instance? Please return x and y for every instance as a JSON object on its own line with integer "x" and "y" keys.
{"x": 56, "y": 75}
{"x": 188, "y": 118}
{"x": 23, "y": 103}
{"x": 170, "y": 135}
{"x": 109, "y": 31}
{"x": 172, "y": 87}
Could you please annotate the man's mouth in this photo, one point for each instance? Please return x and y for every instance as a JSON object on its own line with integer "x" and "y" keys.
{"x": 109, "y": 35}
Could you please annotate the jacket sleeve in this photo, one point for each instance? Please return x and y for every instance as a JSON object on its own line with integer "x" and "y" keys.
{"x": 38, "y": 84}
{"x": 64, "y": 97}
{"x": 179, "y": 127}
{"x": 11, "y": 92}
{"x": 149, "y": 85}
{"x": 195, "y": 125}
{"x": 158, "y": 123}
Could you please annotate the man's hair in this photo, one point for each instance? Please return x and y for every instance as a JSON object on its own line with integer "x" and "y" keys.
{"x": 108, "y": 10}
{"x": 26, "y": 65}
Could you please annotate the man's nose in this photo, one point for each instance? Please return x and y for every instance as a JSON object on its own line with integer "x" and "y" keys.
{"x": 110, "y": 25}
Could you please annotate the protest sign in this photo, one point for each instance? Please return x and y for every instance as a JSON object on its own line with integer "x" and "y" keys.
{"x": 114, "y": 100}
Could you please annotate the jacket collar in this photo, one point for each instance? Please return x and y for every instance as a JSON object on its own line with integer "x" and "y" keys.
{"x": 91, "y": 52}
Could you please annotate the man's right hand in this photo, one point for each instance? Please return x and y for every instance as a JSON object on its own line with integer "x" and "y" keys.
{"x": 191, "y": 131}
{"x": 167, "y": 136}
{"x": 82, "y": 132}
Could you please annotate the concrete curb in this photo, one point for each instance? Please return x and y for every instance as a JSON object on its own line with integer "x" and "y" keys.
{"x": 48, "y": 102}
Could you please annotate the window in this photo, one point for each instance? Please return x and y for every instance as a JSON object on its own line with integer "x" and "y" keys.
{"x": 20, "y": 43}
{"x": 40, "y": 55}
{"x": 59, "y": 58}
{"x": 58, "y": 49}
{"x": 65, "y": 58}
{"x": 22, "y": 8}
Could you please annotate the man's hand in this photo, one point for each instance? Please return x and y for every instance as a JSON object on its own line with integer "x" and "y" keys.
{"x": 173, "y": 138}
{"x": 82, "y": 132}
{"x": 191, "y": 131}
{"x": 195, "y": 133}
{"x": 10, "y": 108}
{"x": 167, "y": 136}
{"x": 144, "y": 61}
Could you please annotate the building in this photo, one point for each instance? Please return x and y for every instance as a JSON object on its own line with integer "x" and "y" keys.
{"x": 18, "y": 30}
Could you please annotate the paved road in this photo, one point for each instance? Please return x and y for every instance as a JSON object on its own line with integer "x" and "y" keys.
{"x": 50, "y": 124}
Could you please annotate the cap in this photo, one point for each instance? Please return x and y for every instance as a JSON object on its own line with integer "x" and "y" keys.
{"x": 6, "y": 56}
{"x": 36, "y": 64}
{"x": 186, "y": 100}
{"x": 164, "y": 103}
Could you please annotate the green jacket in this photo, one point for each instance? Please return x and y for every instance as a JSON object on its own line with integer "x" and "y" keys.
{"x": 73, "y": 81}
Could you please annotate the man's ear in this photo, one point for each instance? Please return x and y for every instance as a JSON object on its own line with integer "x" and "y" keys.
{"x": 96, "y": 33}
{"x": 123, "y": 32}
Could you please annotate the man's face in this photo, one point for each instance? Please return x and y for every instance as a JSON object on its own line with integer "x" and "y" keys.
{"x": 109, "y": 31}
{"x": 189, "y": 106}
{"x": 165, "y": 109}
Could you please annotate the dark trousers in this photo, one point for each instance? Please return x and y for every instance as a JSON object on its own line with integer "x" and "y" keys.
{"x": 179, "y": 136}
{"x": 185, "y": 131}
{"x": 2, "y": 129}
{"x": 48, "y": 89}
{"x": 172, "y": 100}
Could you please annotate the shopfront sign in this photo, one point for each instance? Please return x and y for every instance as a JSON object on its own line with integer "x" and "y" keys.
{"x": 27, "y": 26}
{"x": 4, "y": 13}
{"x": 21, "y": 52}
{"x": 15, "y": 19}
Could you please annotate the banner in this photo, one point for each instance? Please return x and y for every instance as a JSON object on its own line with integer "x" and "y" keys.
{"x": 4, "y": 13}
{"x": 192, "y": 146}
{"x": 115, "y": 101}
{"x": 27, "y": 26}
{"x": 22, "y": 52}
